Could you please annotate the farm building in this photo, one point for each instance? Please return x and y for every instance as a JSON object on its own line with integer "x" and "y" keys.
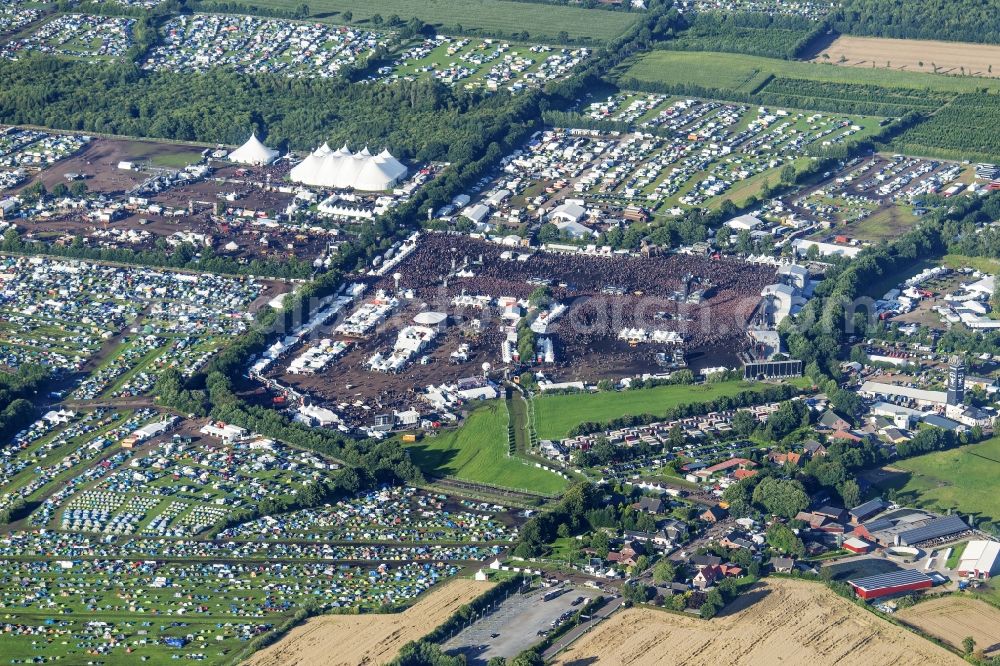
{"x": 981, "y": 559}
{"x": 906, "y": 526}
{"x": 881, "y": 585}
{"x": 253, "y": 153}
{"x": 934, "y": 529}
{"x": 343, "y": 169}
{"x": 863, "y": 512}
{"x": 856, "y": 545}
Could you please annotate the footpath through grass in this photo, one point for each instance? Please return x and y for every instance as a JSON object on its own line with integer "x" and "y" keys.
{"x": 963, "y": 479}
{"x": 556, "y": 415}
{"x": 478, "y": 452}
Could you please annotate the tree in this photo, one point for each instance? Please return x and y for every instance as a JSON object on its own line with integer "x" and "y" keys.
{"x": 781, "y": 497}
{"x": 969, "y": 645}
{"x": 601, "y": 543}
{"x": 664, "y": 571}
{"x": 850, "y": 492}
{"x": 707, "y": 611}
{"x": 528, "y": 658}
{"x": 744, "y": 423}
{"x": 783, "y": 539}
{"x": 637, "y": 592}
{"x": 539, "y": 297}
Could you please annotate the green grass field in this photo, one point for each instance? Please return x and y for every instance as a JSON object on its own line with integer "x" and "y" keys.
{"x": 956, "y": 554}
{"x": 542, "y": 21}
{"x": 556, "y": 415}
{"x": 730, "y": 71}
{"x": 964, "y": 479}
{"x": 982, "y": 264}
{"x": 477, "y": 451}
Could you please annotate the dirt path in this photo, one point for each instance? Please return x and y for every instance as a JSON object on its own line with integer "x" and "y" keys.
{"x": 782, "y": 622}
{"x": 350, "y": 640}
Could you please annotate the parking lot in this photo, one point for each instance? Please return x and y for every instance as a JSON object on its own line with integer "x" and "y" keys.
{"x": 515, "y": 625}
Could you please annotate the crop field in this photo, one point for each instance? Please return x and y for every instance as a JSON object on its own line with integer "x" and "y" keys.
{"x": 913, "y": 55}
{"x": 543, "y": 22}
{"x": 962, "y": 479}
{"x": 478, "y": 451}
{"x": 953, "y": 617}
{"x": 962, "y": 129}
{"x": 776, "y": 41}
{"x": 782, "y": 620}
{"x": 743, "y": 73}
{"x": 369, "y": 639}
{"x": 556, "y": 415}
{"x": 964, "y": 108}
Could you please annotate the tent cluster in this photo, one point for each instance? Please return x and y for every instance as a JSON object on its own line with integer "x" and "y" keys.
{"x": 343, "y": 169}
{"x": 253, "y": 152}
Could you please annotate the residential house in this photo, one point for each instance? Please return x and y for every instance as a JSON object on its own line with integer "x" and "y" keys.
{"x": 782, "y": 564}
{"x": 831, "y": 420}
{"x": 651, "y": 505}
{"x": 713, "y": 514}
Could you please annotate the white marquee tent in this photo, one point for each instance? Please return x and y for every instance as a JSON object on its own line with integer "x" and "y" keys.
{"x": 253, "y": 152}
{"x": 325, "y": 167}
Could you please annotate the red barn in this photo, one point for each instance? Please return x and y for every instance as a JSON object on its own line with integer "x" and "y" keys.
{"x": 896, "y": 582}
{"x": 856, "y": 545}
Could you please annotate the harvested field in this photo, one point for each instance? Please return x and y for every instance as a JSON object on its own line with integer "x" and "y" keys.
{"x": 908, "y": 54}
{"x": 349, "y": 640}
{"x": 953, "y": 618}
{"x": 783, "y": 621}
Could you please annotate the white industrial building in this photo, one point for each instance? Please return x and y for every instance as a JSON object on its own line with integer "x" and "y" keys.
{"x": 921, "y": 397}
{"x": 343, "y": 169}
{"x": 980, "y": 559}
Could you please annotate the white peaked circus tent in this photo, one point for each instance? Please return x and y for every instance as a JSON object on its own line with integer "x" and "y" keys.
{"x": 342, "y": 169}
{"x": 253, "y": 152}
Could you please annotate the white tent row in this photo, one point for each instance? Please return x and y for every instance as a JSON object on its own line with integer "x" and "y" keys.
{"x": 343, "y": 169}
{"x": 253, "y": 152}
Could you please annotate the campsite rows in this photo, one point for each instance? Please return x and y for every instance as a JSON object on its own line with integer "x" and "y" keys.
{"x": 60, "y": 312}
{"x": 15, "y": 18}
{"x": 114, "y": 561}
{"x": 255, "y": 45}
{"x": 252, "y": 45}
{"x": 201, "y": 611}
{"x": 94, "y": 38}
{"x": 26, "y": 150}
{"x": 696, "y": 153}
{"x": 55, "y": 466}
{"x": 490, "y": 63}
{"x": 814, "y": 11}
{"x": 390, "y": 514}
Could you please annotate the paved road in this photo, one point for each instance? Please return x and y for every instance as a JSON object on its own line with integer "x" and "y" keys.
{"x": 599, "y": 615}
